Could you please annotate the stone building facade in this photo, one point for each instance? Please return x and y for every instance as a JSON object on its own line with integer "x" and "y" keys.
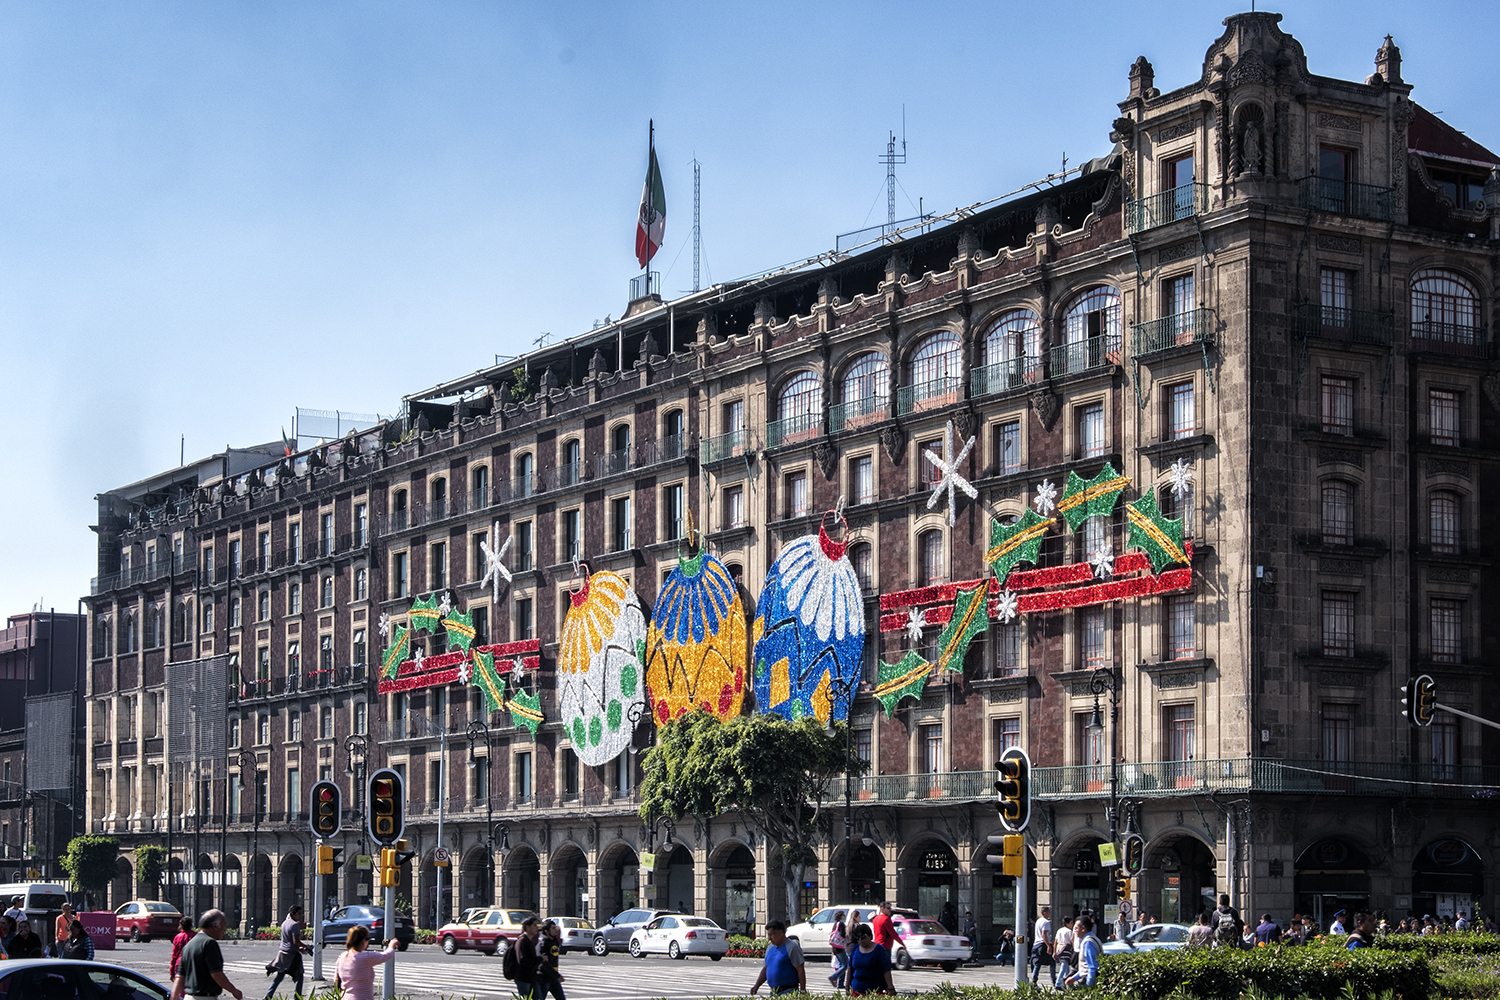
{"x": 1269, "y": 309}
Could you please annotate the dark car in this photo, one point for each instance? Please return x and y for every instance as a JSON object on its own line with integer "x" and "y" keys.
{"x": 616, "y": 932}
{"x": 336, "y": 927}
{"x": 61, "y": 977}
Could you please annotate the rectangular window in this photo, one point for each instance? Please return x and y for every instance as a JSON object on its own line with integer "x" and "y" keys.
{"x": 1093, "y": 753}
{"x": 862, "y": 479}
{"x": 1334, "y": 287}
{"x": 620, "y": 516}
{"x": 1008, "y": 448}
{"x": 1446, "y": 748}
{"x": 481, "y": 774}
{"x": 1338, "y": 513}
{"x": 1443, "y": 522}
{"x": 293, "y": 726}
{"x": 1008, "y": 648}
{"x": 572, "y": 540}
{"x": 481, "y": 625}
{"x": 734, "y": 506}
{"x": 862, "y": 752}
{"x": 1007, "y": 734}
{"x": 434, "y": 782}
{"x": 361, "y": 584}
{"x": 325, "y": 653}
{"x": 932, "y": 749}
{"x": 399, "y": 576}
{"x": 357, "y": 653}
{"x": 671, "y": 512}
{"x": 234, "y": 732}
{"x": 1182, "y": 413}
{"x": 1181, "y": 733}
{"x": 294, "y": 599}
{"x": 325, "y": 587}
{"x": 262, "y": 552}
{"x": 1091, "y": 443}
{"x": 293, "y": 661}
{"x": 1092, "y": 651}
{"x": 263, "y": 729}
{"x": 570, "y": 774}
{"x": 294, "y": 543}
{"x": 523, "y": 777}
{"x": 1447, "y": 621}
{"x": 524, "y": 622}
{"x": 361, "y": 524}
{"x": 1338, "y": 733}
{"x": 928, "y": 472}
{"x": 1443, "y": 417}
{"x": 523, "y": 545}
{"x": 1178, "y": 295}
{"x": 234, "y": 614}
{"x": 1182, "y": 638}
{"x": 1338, "y": 623}
{"x": 795, "y": 487}
{"x": 325, "y": 535}
{"x": 1338, "y": 406}
{"x": 361, "y": 717}
{"x": 439, "y": 566}
{"x": 619, "y": 774}
{"x": 1179, "y": 171}
{"x": 325, "y": 723}
{"x": 234, "y": 557}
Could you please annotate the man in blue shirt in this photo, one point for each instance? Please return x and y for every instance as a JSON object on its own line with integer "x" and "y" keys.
{"x": 783, "y": 970}
{"x": 1269, "y": 932}
{"x": 1364, "y": 932}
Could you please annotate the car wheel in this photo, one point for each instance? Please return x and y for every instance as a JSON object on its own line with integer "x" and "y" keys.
{"x": 145, "y": 940}
{"x": 135, "y": 934}
{"x": 949, "y": 966}
{"x": 717, "y": 958}
{"x": 636, "y": 951}
{"x": 401, "y": 945}
{"x": 449, "y": 945}
{"x": 502, "y": 945}
{"x": 903, "y": 960}
{"x": 673, "y": 951}
{"x": 601, "y": 947}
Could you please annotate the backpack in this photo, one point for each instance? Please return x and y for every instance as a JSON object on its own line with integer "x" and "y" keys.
{"x": 1226, "y": 931}
{"x": 510, "y": 965}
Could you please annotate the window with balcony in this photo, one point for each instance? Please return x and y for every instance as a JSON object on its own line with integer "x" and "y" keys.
{"x": 439, "y": 502}
{"x": 361, "y": 584}
{"x": 438, "y": 563}
{"x": 294, "y": 542}
{"x": 1179, "y": 506}
{"x": 293, "y": 659}
{"x": 1443, "y": 417}
{"x": 1182, "y": 627}
{"x": 235, "y": 566}
{"x": 865, "y": 396}
{"x": 936, "y": 374}
{"x": 325, "y": 591}
{"x": 672, "y": 427}
{"x": 325, "y": 653}
{"x": 525, "y": 482}
{"x": 1182, "y": 411}
{"x": 620, "y": 523}
{"x": 1338, "y": 624}
{"x": 1338, "y": 405}
{"x": 262, "y": 552}
{"x": 234, "y": 612}
{"x": 572, "y": 534}
{"x": 1445, "y": 313}
{"x": 930, "y": 740}
{"x": 1093, "y": 650}
{"x": 1446, "y": 619}
{"x": 933, "y": 567}
{"x": 294, "y": 598}
{"x": 399, "y": 515}
{"x": 523, "y": 777}
{"x": 672, "y": 512}
{"x": 1007, "y": 734}
{"x": 361, "y": 717}
{"x": 1336, "y": 297}
{"x": 927, "y": 470}
{"x": 479, "y": 487}
{"x": 570, "y": 773}
{"x": 1093, "y": 752}
{"x": 325, "y": 533}
{"x": 357, "y": 648}
{"x": 799, "y": 410}
{"x": 361, "y": 525}
{"x": 862, "y": 479}
{"x": 794, "y": 486}
{"x": 293, "y": 726}
{"x": 572, "y": 462}
{"x": 1338, "y": 733}
{"x": 1338, "y": 513}
{"x": 618, "y": 459}
{"x": 1012, "y": 354}
{"x": 1444, "y": 740}
{"x": 1093, "y": 537}
{"x": 1089, "y": 427}
{"x": 1091, "y": 333}
{"x": 400, "y": 575}
{"x": 619, "y": 774}
{"x": 524, "y": 620}
{"x": 1443, "y": 522}
{"x": 263, "y": 606}
{"x": 862, "y": 558}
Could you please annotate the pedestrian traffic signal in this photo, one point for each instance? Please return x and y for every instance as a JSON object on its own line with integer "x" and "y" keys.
{"x": 328, "y": 859}
{"x": 1420, "y": 700}
{"x": 387, "y": 806}
{"x": 1014, "y": 788}
{"x": 1135, "y": 854}
{"x": 327, "y": 809}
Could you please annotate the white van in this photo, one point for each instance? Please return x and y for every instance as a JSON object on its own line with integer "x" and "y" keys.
{"x": 42, "y": 902}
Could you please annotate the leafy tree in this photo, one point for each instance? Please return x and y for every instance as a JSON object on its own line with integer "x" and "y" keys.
{"x": 150, "y": 865}
{"x": 92, "y": 862}
{"x": 774, "y": 772}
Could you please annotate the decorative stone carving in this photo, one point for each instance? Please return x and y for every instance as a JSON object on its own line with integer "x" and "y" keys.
{"x": 1142, "y": 79}
{"x": 1281, "y": 125}
{"x": 894, "y": 440}
{"x": 1046, "y": 216}
{"x": 1047, "y": 407}
{"x": 1448, "y": 574}
{"x": 1340, "y": 244}
{"x": 1177, "y": 251}
{"x": 827, "y": 456}
{"x": 1250, "y": 69}
{"x": 1491, "y": 385}
{"x": 1124, "y": 133}
{"x": 764, "y": 311}
{"x": 1344, "y": 123}
{"x": 648, "y": 347}
{"x": 1341, "y": 567}
{"x": 968, "y": 243}
{"x": 828, "y": 289}
{"x": 1341, "y": 678}
{"x": 1169, "y": 132}
{"x": 596, "y": 363}
{"x": 1344, "y": 456}
{"x": 1447, "y": 467}
{"x": 966, "y": 423}
{"x": 1250, "y": 137}
{"x": 1183, "y": 680}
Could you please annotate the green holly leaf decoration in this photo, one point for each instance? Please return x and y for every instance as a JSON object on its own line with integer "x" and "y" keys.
{"x": 395, "y": 653}
{"x": 1159, "y": 537}
{"x": 1083, "y": 499}
{"x": 906, "y": 679}
{"x": 460, "y": 629}
{"x": 424, "y": 614}
{"x": 525, "y": 711}
{"x": 1014, "y": 543}
{"x": 488, "y": 679}
{"x": 970, "y": 617}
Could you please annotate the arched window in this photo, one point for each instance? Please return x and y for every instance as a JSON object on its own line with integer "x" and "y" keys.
{"x": 618, "y": 459}
{"x": 479, "y": 497}
{"x": 1012, "y": 353}
{"x": 930, "y": 550}
{"x": 1091, "y": 332}
{"x": 862, "y": 558}
{"x": 671, "y": 434}
{"x": 398, "y": 510}
{"x": 439, "y": 499}
{"x": 936, "y": 373}
{"x": 1338, "y": 513}
{"x": 866, "y": 393}
{"x": 1444, "y": 312}
{"x": 799, "y": 410}
{"x": 525, "y": 482}
{"x": 1443, "y": 522}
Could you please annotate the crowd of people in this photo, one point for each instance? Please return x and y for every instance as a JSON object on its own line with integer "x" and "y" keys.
{"x": 19, "y": 940}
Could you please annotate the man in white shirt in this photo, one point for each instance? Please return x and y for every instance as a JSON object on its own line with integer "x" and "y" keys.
{"x": 16, "y": 912}
{"x": 1041, "y": 943}
{"x": 1337, "y": 927}
{"x": 1063, "y": 956}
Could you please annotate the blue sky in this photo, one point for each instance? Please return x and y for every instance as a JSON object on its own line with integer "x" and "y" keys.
{"x": 211, "y": 213}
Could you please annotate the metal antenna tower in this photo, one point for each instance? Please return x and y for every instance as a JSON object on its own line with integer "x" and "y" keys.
{"x": 697, "y": 229}
{"x": 890, "y": 159}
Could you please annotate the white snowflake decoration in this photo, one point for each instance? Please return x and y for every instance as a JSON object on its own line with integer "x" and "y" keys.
{"x": 1103, "y": 560}
{"x": 463, "y": 672}
{"x": 1007, "y": 606}
{"x": 494, "y": 569}
{"x": 445, "y": 605}
{"x": 1181, "y": 474}
{"x": 1046, "y": 497}
{"x": 950, "y": 480}
{"x": 916, "y": 621}
{"x": 385, "y": 626}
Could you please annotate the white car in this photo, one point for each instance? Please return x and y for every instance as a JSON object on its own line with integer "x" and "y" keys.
{"x": 1149, "y": 938}
{"x": 680, "y": 936}
{"x": 577, "y": 933}
{"x": 812, "y": 933}
{"x": 927, "y": 942}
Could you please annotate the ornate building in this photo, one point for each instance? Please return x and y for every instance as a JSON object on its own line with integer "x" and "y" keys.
{"x": 1231, "y": 406}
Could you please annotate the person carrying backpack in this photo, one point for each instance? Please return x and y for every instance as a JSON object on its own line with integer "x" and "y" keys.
{"x": 523, "y": 960}
{"x": 1228, "y": 928}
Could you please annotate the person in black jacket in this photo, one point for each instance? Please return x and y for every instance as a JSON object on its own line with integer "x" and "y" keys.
{"x": 551, "y": 944}
{"x": 25, "y": 944}
{"x": 530, "y": 979}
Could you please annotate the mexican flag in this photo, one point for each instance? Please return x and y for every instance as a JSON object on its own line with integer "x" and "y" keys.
{"x": 653, "y": 219}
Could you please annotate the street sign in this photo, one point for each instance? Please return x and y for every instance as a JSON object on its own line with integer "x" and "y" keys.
{"x": 440, "y": 856}
{"x": 1108, "y": 855}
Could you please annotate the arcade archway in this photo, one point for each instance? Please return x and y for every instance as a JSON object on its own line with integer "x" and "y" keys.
{"x": 1179, "y": 880}
{"x": 523, "y": 879}
{"x": 567, "y": 881}
{"x": 1447, "y": 878}
{"x": 732, "y": 885}
{"x": 619, "y": 880}
{"x": 1332, "y": 875}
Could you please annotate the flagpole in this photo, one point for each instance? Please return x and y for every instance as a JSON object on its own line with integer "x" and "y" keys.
{"x": 650, "y": 156}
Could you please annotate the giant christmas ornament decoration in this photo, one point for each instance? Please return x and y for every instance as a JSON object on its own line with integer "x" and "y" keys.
{"x": 809, "y": 631}
{"x": 695, "y": 646}
{"x": 950, "y": 478}
{"x": 599, "y": 666}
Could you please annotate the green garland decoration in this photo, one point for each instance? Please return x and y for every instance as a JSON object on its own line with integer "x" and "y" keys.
{"x": 905, "y": 679}
{"x": 525, "y": 711}
{"x": 1086, "y": 498}
{"x": 460, "y": 629}
{"x": 395, "y": 653}
{"x": 1015, "y": 543}
{"x": 970, "y": 617}
{"x": 1157, "y": 536}
{"x": 424, "y": 614}
{"x": 488, "y": 679}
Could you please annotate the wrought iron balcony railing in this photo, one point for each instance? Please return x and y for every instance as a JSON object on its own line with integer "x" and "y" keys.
{"x": 1359, "y": 326}
{"x": 931, "y": 395}
{"x": 1182, "y": 202}
{"x": 1329, "y": 194}
{"x": 1449, "y": 338}
{"x": 855, "y": 413}
{"x": 1181, "y": 330}
{"x": 792, "y": 430}
{"x": 1086, "y": 355}
{"x": 1015, "y": 375}
{"x": 724, "y": 447}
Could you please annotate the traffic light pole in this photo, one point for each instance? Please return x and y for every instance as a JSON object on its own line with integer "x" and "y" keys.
{"x": 317, "y": 902}
{"x": 388, "y": 984}
{"x": 1473, "y": 718}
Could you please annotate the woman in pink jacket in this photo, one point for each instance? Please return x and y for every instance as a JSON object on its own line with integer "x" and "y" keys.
{"x": 355, "y": 971}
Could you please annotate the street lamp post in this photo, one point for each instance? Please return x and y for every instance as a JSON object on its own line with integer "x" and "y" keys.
{"x": 843, "y": 688}
{"x": 670, "y": 829}
{"x": 249, "y": 763}
{"x": 356, "y": 749}
{"x": 500, "y": 831}
{"x": 479, "y": 730}
{"x": 1101, "y": 681}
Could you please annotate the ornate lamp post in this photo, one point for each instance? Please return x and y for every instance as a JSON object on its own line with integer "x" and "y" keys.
{"x": 1101, "y": 681}
{"x": 249, "y": 763}
{"x": 357, "y": 749}
{"x": 478, "y": 730}
{"x": 501, "y": 832}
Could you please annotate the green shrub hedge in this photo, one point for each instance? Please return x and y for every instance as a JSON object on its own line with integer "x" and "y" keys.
{"x": 1319, "y": 971}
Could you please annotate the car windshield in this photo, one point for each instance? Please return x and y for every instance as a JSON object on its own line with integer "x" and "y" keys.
{"x": 697, "y": 922}
{"x": 46, "y": 901}
{"x": 1173, "y": 934}
{"x": 924, "y": 927}
{"x": 520, "y": 916}
{"x": 577, "y": 922}
{"x": 160, "y": 908}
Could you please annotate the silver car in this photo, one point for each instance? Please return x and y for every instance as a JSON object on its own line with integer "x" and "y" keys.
{"x": 61, "y": 977}
{"x": 1149, "y": 938}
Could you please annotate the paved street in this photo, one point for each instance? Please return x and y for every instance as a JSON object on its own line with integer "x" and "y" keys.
{"x": 426, "y": 970}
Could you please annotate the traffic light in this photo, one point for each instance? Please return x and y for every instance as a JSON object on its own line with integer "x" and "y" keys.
{"x": 327, "y": 809}
{"x": 1012, "y": 857}
{"x": 390, "y": 875}
{"x": 328, "y": 859}
{"x": 1122, "y": 884}
{"x": 1420, "y": 700}
{"x": 1135, "y": 854}
{"x": 1014, "y": 788}
{"x": 387, "y": 806}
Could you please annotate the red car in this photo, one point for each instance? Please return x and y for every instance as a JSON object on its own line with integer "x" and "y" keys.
{"x": 144, "y": 919}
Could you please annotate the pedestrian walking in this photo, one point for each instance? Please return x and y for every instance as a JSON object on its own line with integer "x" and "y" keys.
{"x": 1364, "y": 932}
{"x": 1227, "y": 926}
{"x": 530, "y": 984}
{"x": 288, "y": 960}
{"x": 1089, "y": 950}
{"x": 838, "y": 941}
{"x": 16, "y": 911}
{"x": 884, "y": 929}
{"x": 971, "y": 931}
{"x": 184, "y": 935}
{"x": 1200, "y": 935}
{"x": 1064, "y": 955}
{"x": 869, "y": 965}
{"x": 61, "y": 927}
{"x": 354, "y": 972}
{"x": 201, "y": 972}
{"x": 1267, "y": 931}
{"x": 783, "y": 969}
{"x": 551, "y": 942}
{"x": 1041, "y": 944}
{"x": 949, "y": 917}
{"x": 77, "y": 946}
